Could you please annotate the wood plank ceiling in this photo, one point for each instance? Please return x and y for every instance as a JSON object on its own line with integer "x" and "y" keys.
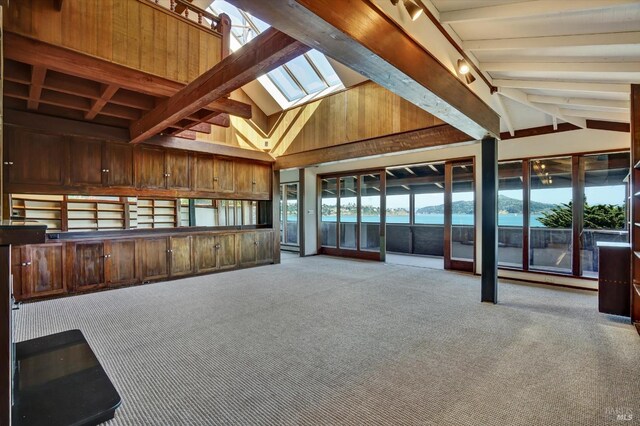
{"x": 564, "y": 61}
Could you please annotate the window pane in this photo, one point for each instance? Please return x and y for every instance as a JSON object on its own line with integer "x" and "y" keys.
{"x": 285, "y": 84}
{"x": 348, "y": 212}
{"x": 307, "y": 77}
{"x": 398, "y": 208}
{"x": 329, "y": 213}
{"x": 370, "y": 212}
{"x": 550, "y": 215}
{"x": 321, "y": 62}
{"x": 510, "y": 214}
{"x": 462, "y": 211}
{"x": 604, "y": 206}
{"x": 291, "y": 195}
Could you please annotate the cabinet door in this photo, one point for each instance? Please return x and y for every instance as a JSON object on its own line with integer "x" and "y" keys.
{"x": 248, "y": 245}
{"x": 121, "y": 262}
{"x": 46, "y": 269}
{"x": 204, "y": 252}
{"x": 243, "y": 173}
{"x": 17, "y": 270}
{"x": 88, "y": 271}
{"x": 265, "y": 246}
{"x": 178, "y": 170}
{"x": 154, "y": 258}
{"x": 262, "y": 180}
{"x": 150, "y": 168}
{"x": 203, "y": 176}
{"x": 223, "y": 175}
{"x": 118, "y": 163}
{"x": 181, "y": 261}
{"x": 226, "y": 249}
{"x": 33, "y": 158}
{"x": 86, "y": 162}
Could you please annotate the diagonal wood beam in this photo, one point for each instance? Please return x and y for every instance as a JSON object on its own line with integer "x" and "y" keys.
{"x": 356, "y": 33}
{"x": 66, "y": 61}
{"x": 264, "y": 53}
{"x": 37, "y": 79}
{"x": 96, "y": 106}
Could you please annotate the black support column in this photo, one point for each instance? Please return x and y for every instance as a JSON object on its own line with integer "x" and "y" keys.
{"x": 489, "y": 220}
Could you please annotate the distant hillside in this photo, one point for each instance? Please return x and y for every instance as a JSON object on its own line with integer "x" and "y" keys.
{"x": 505, "y": 205}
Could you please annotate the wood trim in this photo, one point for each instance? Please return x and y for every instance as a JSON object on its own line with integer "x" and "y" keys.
{"x": 526, "y": 185}
{"x": 565, "y": 127}
{"x": 429, "y": 137}
{"x": 609, "y": 125}
{"x": 354, "y": 254}
{"x": 577, "y": 176}
{"x": 448, "y": 186}
{"x": 302, "y": 213}
{"x": 210, "y": 148}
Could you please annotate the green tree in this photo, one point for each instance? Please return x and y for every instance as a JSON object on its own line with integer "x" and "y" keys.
{"x": 600, "y": 216}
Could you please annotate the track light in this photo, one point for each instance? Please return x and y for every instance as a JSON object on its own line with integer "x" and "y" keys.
{"x": 413, "y": 9}
{"x": 465, "y": 70}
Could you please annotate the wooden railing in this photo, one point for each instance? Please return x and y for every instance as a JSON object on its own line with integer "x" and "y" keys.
{"x": 187, "y": 10}
{"x": 220, "y": 24}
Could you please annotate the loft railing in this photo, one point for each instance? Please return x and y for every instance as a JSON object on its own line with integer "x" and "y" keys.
{"x": 219, "y": 24}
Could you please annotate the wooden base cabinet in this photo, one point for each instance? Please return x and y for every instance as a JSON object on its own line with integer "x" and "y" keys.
{"x": 89, "y": 265}
{"x": 40, "y": 270}
{"x": 154, "y": 258}
{"x": 122, "y": 262}
{"x": 180, "y": 253}
{"x": 214, "y": 253}
{"x": 73, "y": 266}
{"x": 256, "y": 248}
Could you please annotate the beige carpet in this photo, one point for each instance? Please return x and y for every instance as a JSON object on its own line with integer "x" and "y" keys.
{"x": 332, "y": 341}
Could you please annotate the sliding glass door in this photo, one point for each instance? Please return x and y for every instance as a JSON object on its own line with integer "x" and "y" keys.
{"x": 351, "y": 219}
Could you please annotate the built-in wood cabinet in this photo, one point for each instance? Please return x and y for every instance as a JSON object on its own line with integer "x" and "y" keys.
{"x": 154, "y": 258}
{"x": 121, "y": 262}
{"x": 89, "y": 265}
{"x": 48, "y": 164}
{"x": 157, "y": 168}
{"x": 252, "y": 179}
{"x": 180, "y": 255}
{"x": 82, "y": 265}
{"x": 39, "y": 270}
{"x": 33, "y": 159}
{"x": 256, "y": 248}
{"x": 86, "y": 162}
{"x": 117, "y": 165}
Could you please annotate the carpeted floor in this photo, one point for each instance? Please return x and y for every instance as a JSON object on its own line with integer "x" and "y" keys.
{"x": 333, "y": 341}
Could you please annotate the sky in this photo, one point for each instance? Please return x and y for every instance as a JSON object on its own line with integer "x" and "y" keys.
{"x": 595, "y": 195}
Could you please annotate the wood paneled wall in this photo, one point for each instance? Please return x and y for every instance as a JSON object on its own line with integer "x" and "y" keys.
{"x": 362, "y": 112}
{"x": 134, "y": 33}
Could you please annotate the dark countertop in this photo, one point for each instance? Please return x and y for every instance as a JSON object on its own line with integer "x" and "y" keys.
{"x": 16, "y": 232}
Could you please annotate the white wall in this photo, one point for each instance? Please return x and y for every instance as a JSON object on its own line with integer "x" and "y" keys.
{"x": 584, "y": 140}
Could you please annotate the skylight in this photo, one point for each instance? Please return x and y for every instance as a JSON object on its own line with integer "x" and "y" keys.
{"x": 301, "y": 79}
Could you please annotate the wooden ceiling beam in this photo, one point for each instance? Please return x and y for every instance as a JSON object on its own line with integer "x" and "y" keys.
{"x": 357, "y": 33}
{"x": 222, "y": 120}
{"x": 98, "y": 104}
{"x": 267, "y": 51}
{"x": 431, "y": 137}
{"x": 38, "y": 73}
{"x": 66, "y": 61}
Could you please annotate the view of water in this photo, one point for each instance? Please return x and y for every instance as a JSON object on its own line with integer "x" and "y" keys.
{"x": 438, "y": 219}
